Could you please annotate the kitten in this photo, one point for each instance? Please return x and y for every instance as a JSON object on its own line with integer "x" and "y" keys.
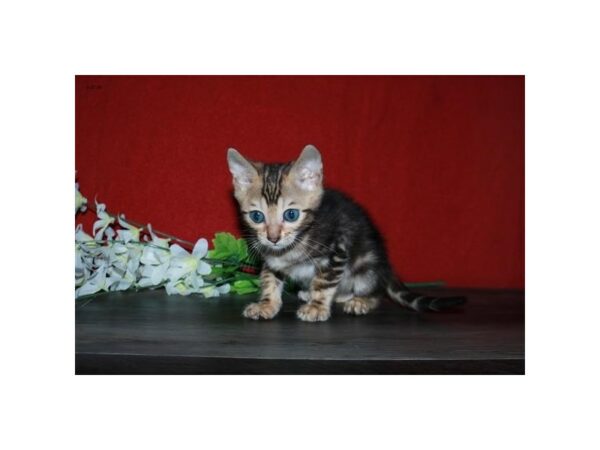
{"x": 317, "y": 237}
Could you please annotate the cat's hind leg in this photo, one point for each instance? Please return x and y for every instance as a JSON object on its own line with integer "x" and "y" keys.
{"x": 363, "y": 298}
{"x": 360, "y": 305}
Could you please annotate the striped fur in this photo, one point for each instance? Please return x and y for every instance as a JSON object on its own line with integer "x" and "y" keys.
{"x": 324, "y": 286}
{"x": 418, "y": 302}
{"x": 272, "y": 176}
{"x": 333, "y": 251}
{"x": 270, "y": 297}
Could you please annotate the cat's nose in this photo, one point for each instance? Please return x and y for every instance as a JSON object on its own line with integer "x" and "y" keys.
{"x": 273, "y": 233}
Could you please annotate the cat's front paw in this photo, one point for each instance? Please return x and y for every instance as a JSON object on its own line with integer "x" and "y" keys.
{"x": 313, "y": 313}
{"x": 262, "y": 310}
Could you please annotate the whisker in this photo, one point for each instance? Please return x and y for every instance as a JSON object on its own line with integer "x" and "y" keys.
{"x": 314, "y": 246}
{"x": 318, "y": 244}
{"x": 254, "y": 250}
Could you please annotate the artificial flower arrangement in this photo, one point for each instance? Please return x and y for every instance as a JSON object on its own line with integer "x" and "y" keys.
{"x": 122, "y": 255}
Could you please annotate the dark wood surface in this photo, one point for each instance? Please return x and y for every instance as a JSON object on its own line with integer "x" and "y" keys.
{"x": 153, "y": 333}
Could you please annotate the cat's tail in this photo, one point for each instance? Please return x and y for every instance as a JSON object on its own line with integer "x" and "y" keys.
{"x": 419, "y": 302}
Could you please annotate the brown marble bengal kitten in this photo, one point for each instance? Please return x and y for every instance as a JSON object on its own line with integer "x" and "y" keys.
{"x": 317, "y": 237}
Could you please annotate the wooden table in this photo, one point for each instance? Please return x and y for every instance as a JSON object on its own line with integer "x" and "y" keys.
{"x": 153, "y": 333}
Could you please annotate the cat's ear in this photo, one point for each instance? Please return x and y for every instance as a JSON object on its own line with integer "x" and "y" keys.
{"x": 308, "y": 169}
{"x": 242, "y": 171}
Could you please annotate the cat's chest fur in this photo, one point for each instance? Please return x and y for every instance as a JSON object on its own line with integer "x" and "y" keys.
{"x": 295, "y": 265}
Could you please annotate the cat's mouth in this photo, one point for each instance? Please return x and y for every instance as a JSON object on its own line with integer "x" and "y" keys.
{"x": 277, "y": 247}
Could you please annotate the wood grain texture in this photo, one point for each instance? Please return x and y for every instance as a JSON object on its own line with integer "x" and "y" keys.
{"x": 152, "y": 333}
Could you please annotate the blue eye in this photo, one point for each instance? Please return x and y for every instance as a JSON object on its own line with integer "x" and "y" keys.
{"x": 291, "y": 215}
{"x": 256, "y": 216}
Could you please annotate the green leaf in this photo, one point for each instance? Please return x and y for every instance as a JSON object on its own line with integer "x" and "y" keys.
{"x": 240, "y": 284}
{"x": 242, "y": 249}
{"x": 245, "y": 276}
{"x": 217, "y": 271}
{"x": 229, "y": 253}
{"x": 244, "y": 287}
{"x": 227, "y": 247}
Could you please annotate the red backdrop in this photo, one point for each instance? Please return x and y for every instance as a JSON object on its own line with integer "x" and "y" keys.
{"x": 438, "y": 161}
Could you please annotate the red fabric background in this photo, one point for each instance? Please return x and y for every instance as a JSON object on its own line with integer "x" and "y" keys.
{"x": 438, "y": 161}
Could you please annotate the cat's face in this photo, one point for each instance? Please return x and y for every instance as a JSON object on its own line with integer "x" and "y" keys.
{"x": 277, "y": 200}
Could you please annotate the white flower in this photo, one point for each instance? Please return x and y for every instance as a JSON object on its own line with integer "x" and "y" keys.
{"x": 82, "y": 236}
{"x": 154, "y": 265}
{"x": 155, "y": 260}
{"x": 100, "y": 267}
{"x": 186, "y": 270}
{"x": 190, "y": 284}
{"x": 86, "y": 250}
{"x": 178, "y": 287}
{"x": 80, "y": 200}
{"x": 95, "y": 283}
{"x": 104, "y": 220}
{"x": 156, "y": 240}
{"x": 117, "y": 255}
{"x": 81, "y": 271}
{"x": 109, "y": 233}
{"x": 105, "y": 264}
{"x": 184, "y": 263}
{"x": 133, "y": 261}
{"x": 215, "y": 291}
{"x": 119, "y": 279}
{"x": 130, "y": 233}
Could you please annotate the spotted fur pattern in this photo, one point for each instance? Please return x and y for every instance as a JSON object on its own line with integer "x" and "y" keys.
{"x": 333, "y": 249}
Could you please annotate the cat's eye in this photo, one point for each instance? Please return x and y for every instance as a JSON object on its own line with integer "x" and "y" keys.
{"x": 291, "y": 215}
{"x": 256, "y": 216}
